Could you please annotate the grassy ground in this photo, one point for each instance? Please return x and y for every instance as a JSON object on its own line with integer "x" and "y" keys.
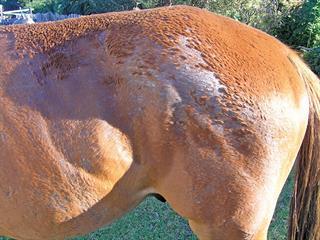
{"x": 154, "y": 220}
{"x": 279, "y": 227}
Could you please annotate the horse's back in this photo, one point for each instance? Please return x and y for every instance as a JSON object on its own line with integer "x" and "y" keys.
{"x": 196, "y": 107}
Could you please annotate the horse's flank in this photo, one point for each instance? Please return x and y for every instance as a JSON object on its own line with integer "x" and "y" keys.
{"x": 100, "y": 111}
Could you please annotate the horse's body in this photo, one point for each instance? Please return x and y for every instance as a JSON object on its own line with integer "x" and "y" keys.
{"x": 98, "y": 112}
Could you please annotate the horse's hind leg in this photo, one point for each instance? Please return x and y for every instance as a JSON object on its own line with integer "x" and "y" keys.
{"x": 209, "y": 232}
{"x": 204, "y": 232}
{"x": 263, "y": 233}
{"x": 220, "y": 195}
{"x": 218, "y": 206}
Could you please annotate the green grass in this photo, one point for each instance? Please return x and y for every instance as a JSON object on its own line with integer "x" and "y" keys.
{"x": 153, "y": 220}
{"x": 279, "y": 225}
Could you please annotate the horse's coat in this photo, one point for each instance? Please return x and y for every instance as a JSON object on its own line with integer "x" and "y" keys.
{"x": 98, "y": 112}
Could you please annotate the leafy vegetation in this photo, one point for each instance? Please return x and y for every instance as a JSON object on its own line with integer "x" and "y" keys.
{"x": 10, "y": 4}
{"x": 312, "y": 56}
{"x": 302, "y": 26}
{"x": 301, "y": 29}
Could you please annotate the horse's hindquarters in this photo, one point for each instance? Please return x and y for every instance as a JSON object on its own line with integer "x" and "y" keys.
{"x": 229, "y": 165}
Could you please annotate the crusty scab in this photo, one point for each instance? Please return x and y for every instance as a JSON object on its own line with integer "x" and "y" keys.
{"x": 46, "y": 36}
{"x": 171, "y": 24}
{"x": 225, "y": 46}
{"x": 213, "y": 51}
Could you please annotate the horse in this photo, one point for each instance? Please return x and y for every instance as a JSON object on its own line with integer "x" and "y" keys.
{"x": 99, "y": 112}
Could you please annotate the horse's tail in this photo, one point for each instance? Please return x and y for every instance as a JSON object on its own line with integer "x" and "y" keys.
{"x": 305, "y": 205}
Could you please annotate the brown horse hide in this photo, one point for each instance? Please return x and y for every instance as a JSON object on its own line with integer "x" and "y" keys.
{"x": 98, "y": 112}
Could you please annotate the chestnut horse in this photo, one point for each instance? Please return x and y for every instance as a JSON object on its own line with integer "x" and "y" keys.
{"x": 97, "y": 113}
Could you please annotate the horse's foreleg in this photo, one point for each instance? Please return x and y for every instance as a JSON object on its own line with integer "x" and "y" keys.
{"x": 125, "y": 195}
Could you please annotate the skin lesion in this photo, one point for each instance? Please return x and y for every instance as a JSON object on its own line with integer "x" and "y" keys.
{"x": 60, "y": 62}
